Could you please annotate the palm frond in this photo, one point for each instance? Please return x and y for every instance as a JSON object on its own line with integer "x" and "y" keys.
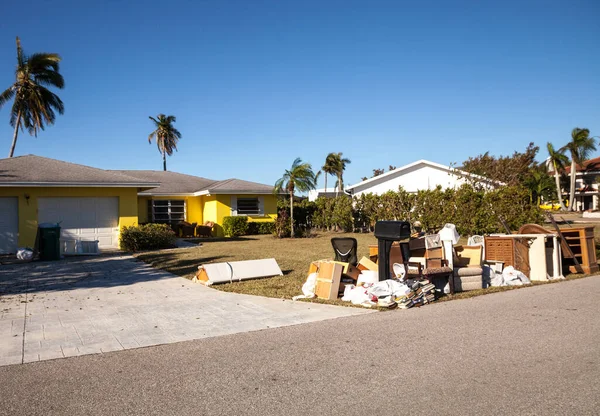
{"x": 7, "y": 95}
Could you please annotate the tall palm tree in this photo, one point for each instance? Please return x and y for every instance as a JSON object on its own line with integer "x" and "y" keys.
{"x": 558, "y": 160}
{"x": 580, "y": 147}
{"x": 539, "y": 184}
{"x": 329, "y": 168}
{"x": 340, "y": 166}
{"x": 166, "y": 136}
{"x": 300, "y": 177}
{"x": 34, "y": 105}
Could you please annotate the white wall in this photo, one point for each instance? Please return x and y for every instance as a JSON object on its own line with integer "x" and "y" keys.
{"x": 420, "y": 177}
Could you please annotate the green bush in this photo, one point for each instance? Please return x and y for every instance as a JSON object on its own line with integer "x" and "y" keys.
{"x": 282, "y": 225}
{"x": 147, "y": 237}
{"x": 258, "y": 228}
{"x": 235, "y": 226}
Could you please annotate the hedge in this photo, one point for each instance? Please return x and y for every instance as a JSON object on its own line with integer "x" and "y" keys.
{"x": 235, "y": 226}
{"x": 258, "y": 228}
{"x": 147, "y": 237}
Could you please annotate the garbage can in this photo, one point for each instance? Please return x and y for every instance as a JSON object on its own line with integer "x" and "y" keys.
{"x": 387, "y": 232}
{"x": 49, "y": 241}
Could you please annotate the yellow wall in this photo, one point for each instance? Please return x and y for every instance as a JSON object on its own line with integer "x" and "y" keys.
{"x": 212, "y": 208}
{"x": 28, "y": 209}
{"x": 193, "y": 207}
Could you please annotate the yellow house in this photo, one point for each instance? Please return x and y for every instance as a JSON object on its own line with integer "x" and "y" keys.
{"x": 93, "y": 204}
{"x": 199, "y": 200}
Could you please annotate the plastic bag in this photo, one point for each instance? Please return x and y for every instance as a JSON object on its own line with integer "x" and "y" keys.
{"x": 368, "y": 276}
{"x": 513, "y": 277}
{"x": 308, "y": 288}
{"x": 388, "y": 288}
{"x": 25, "y": 254}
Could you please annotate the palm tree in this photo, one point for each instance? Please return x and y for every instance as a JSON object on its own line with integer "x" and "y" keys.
{"x": 329, "y": 168}
{"x": 166, "y": 136}
{"x": 340, "y": 166}
{"x": 558, "y": 159}
{"x": 34, "y": 105}
{"x": 580, "y": 147}
{"x": 539, "y": 184}
{"x": 300, "y": 177}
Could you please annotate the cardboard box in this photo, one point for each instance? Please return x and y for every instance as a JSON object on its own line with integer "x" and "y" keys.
{"x": 352, "y": 272}
{"x": 328, "y": 280}
{"x": 366, "y": 264}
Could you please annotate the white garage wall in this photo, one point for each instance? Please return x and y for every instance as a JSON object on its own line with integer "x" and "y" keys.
{"x": 84, "y": 218}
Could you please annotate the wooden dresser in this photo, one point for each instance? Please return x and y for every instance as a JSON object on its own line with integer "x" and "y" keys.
{"x": 582, "y": 244}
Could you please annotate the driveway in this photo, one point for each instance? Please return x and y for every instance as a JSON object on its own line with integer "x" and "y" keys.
{"x": 92, "y": 305}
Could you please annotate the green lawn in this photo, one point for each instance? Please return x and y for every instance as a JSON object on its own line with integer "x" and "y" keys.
{"x": 293, "y": 256}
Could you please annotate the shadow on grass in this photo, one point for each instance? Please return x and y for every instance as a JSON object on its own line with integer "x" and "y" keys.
{"x": 218, "y": 239}
{"x": 173, "y": 263}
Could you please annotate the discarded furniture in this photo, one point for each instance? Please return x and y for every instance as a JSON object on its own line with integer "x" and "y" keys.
{"x": 345, "y": 249}
{"x": 416, "y": 271}
{"x": 582, "y": 244}
{"x": 387, "y": 232}
{"x": 329, "y": 275}
{"x": 205, "y": 230}
{"x": 236, "y": 271}
{"x": 467, "y": 270}
{"x": 399, "y": 253}
{"x": 543, "y": 255}
{"x": 508, "y": 249}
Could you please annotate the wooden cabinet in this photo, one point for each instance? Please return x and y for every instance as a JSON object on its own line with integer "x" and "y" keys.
{"x": 512, "y": 251}
{"x": 582, "y": 244}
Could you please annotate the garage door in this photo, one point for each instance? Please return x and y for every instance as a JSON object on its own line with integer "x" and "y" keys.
{"x": 9, "y": 225}
{"x": 83, "y": 219}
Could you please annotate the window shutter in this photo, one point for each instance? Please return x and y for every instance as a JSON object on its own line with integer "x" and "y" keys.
{"x": 234, "y": 212}
{"x": 261, "y": 205}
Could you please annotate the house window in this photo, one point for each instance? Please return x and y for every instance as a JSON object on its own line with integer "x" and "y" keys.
{"x": 166, "y": 211}
{"x": 248, "y": 206}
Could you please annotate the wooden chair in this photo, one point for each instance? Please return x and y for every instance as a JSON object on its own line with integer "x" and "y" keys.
{"x": 205, "y": 230}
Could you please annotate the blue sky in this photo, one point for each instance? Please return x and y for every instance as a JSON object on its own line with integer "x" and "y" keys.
{"x": 255, "y": 84}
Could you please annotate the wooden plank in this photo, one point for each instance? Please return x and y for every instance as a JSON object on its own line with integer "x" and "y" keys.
{"x": 566, "y": 246}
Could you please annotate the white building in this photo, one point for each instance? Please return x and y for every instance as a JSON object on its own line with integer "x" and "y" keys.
{"x": 416, "y": 176}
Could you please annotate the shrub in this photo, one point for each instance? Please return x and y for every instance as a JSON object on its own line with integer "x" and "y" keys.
{"x": 283, "y": 228}
{"x": 257, "y": 228}
{"x": 235, "y": 226}
{"x": 147, "y": 237}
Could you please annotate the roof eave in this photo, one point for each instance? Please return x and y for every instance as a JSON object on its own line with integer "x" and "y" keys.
{"x": 79, "y": 185}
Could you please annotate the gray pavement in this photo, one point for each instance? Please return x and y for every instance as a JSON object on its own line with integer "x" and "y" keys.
{"x": 94, "y": 305}
{"x": 532, "y": 351}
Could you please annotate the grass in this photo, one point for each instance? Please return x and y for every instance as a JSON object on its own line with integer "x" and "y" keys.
{"x": 293, "y": 256}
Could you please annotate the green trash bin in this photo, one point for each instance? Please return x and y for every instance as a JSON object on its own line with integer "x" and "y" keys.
{"x": 49, "y": 241}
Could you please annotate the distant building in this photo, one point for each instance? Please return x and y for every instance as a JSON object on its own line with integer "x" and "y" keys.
{"x": 417, "y": 176}
{"x": 586, "y": 184}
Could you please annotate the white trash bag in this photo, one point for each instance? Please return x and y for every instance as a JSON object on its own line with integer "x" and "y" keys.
{"x": 308, "y": 288}
{"x": 25, "y": 254}
{"x": 513, "y": 277}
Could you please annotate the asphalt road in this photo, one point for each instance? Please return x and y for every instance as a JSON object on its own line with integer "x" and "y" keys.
{"x": 531, "y": 351}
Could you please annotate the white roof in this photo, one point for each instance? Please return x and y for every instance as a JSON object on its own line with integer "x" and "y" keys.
{"x": 424, "y": 162}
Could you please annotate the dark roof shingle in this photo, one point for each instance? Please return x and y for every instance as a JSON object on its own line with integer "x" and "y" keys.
{"x": 31, "y": 170}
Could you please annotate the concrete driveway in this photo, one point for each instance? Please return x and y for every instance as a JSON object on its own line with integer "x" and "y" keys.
{"x": 94, "y": 305}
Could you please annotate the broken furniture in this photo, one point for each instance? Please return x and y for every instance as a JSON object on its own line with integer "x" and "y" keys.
{"x": 508, "y": 250}
{"x": 387, "y": 232}
{"x": 205, "y": 230}
{"x": 582, "y": 244}
{"x": 467, "y": 270}
{"x": 416, "y": 271}
{"x": 345, "y": 249}
{"x": 185, "y": 229}
{"x": 329, "y": 275}
{"x": 236, "y": 271}
{"x": 543, "y": 254}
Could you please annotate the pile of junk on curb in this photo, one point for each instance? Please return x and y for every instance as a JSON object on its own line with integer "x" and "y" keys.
{"x": 407, "y": 268}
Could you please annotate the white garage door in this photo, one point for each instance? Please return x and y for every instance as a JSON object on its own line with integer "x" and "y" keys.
{"x": 9, "y": 225}
{"x": 83, "y": 219}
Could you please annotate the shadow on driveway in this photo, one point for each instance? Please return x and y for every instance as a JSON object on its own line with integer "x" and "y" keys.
{"x": 83, "y": 272}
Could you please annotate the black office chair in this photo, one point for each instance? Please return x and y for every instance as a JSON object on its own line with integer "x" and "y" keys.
{"x": 345, "y": 249}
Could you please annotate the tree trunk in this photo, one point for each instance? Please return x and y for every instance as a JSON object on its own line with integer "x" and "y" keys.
{"x": 572, "y": 190}
{"x": 292, "y": 213}
{"x": 164, "y": 161}
{"x": 558, "y": 190}
{"x": 326, "y": 182}
{"x": 15, "y": 135}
